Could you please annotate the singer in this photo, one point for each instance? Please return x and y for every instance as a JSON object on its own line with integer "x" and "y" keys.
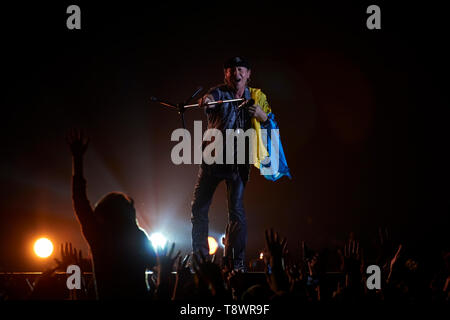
{"x": 229, "y": 115}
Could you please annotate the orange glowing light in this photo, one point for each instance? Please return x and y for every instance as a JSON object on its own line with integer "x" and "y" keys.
{"x": 43, "y": 247}
{"x": 213, "y": 245}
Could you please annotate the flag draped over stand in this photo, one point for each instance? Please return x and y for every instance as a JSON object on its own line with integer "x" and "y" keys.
{"x": 268, "y": 153}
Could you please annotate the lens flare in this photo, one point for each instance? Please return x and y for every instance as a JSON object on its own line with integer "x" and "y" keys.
{"x": 43, "y": 247}
{"x": 158, "y": 240}
{"x": 221, "y": 241}
{"x": 213, "y": 245}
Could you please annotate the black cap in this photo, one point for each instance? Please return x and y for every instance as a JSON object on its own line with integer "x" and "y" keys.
{"x": 236, "y": 62}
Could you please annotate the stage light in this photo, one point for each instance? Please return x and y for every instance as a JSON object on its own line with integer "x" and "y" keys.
{"x": 261, "y": 256}
{"x": 221, "y": 240}
{"x": 158, "y": 240}
{"x": 213, "y": 245}
{"x": 43, "y": 247}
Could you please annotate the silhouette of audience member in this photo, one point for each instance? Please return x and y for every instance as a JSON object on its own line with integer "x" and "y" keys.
{"x": 121, "y": 250}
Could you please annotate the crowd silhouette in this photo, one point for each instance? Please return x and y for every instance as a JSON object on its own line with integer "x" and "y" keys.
{"x": 120, "y": 247}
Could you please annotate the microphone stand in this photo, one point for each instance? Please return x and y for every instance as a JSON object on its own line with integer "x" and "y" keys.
{"x": 180, "y": 107}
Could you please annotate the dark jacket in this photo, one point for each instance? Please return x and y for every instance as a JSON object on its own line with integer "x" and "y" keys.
{"x": 228, "y": 116}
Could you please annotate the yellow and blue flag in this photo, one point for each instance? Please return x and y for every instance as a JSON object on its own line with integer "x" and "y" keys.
{"x": 268, "y": 153}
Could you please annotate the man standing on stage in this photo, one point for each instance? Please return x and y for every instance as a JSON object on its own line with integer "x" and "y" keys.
{"x": 222, "y": 117}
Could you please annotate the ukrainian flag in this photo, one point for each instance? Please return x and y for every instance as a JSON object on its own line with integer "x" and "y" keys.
{"x": 268, "y": 153}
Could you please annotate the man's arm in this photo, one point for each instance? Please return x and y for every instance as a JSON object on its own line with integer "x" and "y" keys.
{"x": 78, "y": 145}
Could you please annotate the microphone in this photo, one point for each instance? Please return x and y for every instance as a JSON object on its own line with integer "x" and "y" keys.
{"x": 247, "y": 103}
{"x": 199, "y": 89}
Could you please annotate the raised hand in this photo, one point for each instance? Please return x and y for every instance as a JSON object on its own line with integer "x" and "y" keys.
{"x": 235, "y": 281}
{"x": 385, "y": 248}
{"x": 183, "y": 275}
{"x": 276, "y": 247}
{"x": 352, "y": 264}
{"x": 69, "y": 255}
{"x": 312, "y": 265}
{"x": 351, "y": 257}
{"x": 165, "y": 261}
{"x": 182, "y": 267}
{"x": 231, "y": 232}
{"x": 276, "y": 250}
{"x": 208, "y": 275}
{"x": 77, "y": 142}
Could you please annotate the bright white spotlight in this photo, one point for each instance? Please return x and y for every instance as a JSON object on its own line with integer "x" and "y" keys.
{"x": 213, "y": 245}
{"x": 158, "y": 240}
{"x": 43, "y": 247}
{"x": 221, "y": 240}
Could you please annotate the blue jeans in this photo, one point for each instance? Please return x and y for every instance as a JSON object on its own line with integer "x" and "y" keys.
{"x": 209, "y": 178}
